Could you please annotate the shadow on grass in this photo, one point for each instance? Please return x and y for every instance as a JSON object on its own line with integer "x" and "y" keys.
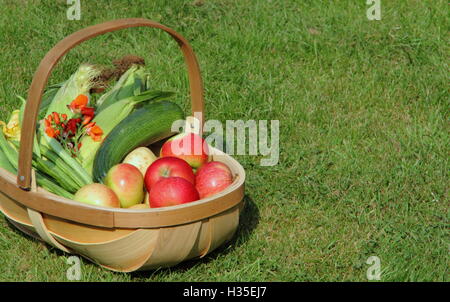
{"x": 43, "y": 244}
{"x": 248, "y": 221}
{"x": 18, "y": 232}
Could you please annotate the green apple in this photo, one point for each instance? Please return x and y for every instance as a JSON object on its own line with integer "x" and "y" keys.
{"x": 98, "y": 195}
{"x": 128, "y": 183}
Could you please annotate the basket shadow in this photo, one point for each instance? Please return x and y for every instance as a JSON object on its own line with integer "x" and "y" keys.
{"x": 248, "y": 221}
{"x": 38, "y": 242}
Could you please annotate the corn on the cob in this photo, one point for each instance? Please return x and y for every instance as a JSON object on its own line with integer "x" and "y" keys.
{"x": 130, "y": 83}
{"x": 80, "y": 82}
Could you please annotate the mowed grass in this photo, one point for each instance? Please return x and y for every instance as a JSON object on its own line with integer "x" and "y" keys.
{"x": 364, "y": 130}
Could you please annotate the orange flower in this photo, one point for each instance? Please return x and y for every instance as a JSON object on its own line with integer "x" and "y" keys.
{"x": 94, "y": 131}
{"x": 79, "y": 103}
{"x": 72, "y": 125}
{"x": 51, "y": 132}
{"x": 89, "y": 111}
{"x": 47, "y": 123}
{"x": 90, "y": 125}
{"x": 87, "y": 119}
{"x": 88, "y": 114}
{"x": 56, "y": 118}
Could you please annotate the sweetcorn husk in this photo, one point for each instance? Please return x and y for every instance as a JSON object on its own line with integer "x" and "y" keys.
{"x": 81, "y": 82}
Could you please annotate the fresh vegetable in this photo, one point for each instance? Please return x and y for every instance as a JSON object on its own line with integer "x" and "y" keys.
{"x": 128, "y": 183}
{"x": 141, "y": 158}
{"x": 36, "y": 148}
{"x": 48, "y": 97}
{"x": 52, "y": 164}
{"x": 4, "y": 162}
{"x": 76, "y": 167}
{"x": 10, "y": 153}
{"x": 97, "y": 195}
{"x": 69, "y": 132}
{"x": 143, "y": 127}
{"x": 56, "y": 168}
{"x": 12, "y": 129}
{"x": 80, "y": 137}
{"x": 66, "y": 169}
{"x": 47, "y": 183}
{"x": 109, "y": 118}
{"x": 80, "y": 83}
{"x": 131, "y": 83}
{"x": 56, "y": 173}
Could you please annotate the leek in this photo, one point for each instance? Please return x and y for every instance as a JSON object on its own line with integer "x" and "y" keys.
{"x": 56, "y": 173}
{"x": 57, "y": 168}
{"x": 61, "y": 164}
{"x": 48, "y": 184}
{"x": 4, "y": 162}
{"x": 36, "y": 148}
{"x": 42, "y": 180}
{"x": 12, "y": 156}
{"x": 77, "y": 169}
{"x": 9, "y": 152}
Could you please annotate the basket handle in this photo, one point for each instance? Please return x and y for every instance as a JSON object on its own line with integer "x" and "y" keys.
{"x": 46, "y": 66}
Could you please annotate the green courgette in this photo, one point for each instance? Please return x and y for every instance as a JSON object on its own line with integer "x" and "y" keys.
{"x": 149, "y": 124}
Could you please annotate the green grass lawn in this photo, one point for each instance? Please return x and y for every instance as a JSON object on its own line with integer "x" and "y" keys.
{"x": 364, "y": 130}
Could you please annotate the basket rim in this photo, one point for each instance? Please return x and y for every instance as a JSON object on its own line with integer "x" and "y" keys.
{"x": 131, "y": 218}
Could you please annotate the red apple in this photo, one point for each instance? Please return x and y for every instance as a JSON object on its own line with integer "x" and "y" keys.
{"x": 168, "y": 167}
{"x": 97, "y": 195}
{"x": 128, "y": 183}
{"x": 212, "y": 178}
{"x": 190, "y": 147}
{"x": 172, "y": 191}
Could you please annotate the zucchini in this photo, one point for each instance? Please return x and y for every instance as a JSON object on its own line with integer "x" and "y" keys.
{"x": 147, "y": 125}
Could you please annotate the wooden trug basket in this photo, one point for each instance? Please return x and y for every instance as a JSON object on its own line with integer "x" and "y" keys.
{"x": 121, "y": 240}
